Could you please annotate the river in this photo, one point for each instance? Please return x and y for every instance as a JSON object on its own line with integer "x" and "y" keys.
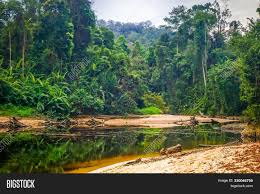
{"x": 84, "y": 150}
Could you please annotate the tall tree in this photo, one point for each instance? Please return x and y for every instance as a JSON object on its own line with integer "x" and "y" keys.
{"x": 54, "y": 38}
{"x": 83, "y": 19}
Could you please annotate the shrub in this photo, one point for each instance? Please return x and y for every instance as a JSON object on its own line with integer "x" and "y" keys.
{"x": 251, "y": 131}
{"x": 84, "y": 102}
{"x": 155, "y": 101}
{"x": 150, "y": 111}
{"x": 44, "y": 95}
{"x": 252, "y": 113}
{"x": 21, "y": 111}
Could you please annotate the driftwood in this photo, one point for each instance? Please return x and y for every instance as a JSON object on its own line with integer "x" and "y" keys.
{"x": 4, "y": 125}
{"x": 171, "y": 150}
{"x": 191, "y": 122}
{"x": 95, "y": 123}
{"x": 15, "y": 124}
{"x": 60, "y": 124}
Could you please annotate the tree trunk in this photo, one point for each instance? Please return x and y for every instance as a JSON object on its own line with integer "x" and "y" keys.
{"x": 177, "y": 42}
{"x": 177, "y": 47}
{"x": 10, "y": 50}
{"x": 205, "y": 58}
{"x": 194, "y": 77}
{"x": 23, "y": 52}
{"x": 204, "y": 74}
{"x": 206, "y": 51}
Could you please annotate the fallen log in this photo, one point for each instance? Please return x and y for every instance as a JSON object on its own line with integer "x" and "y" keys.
{"x": 171, "y": 150}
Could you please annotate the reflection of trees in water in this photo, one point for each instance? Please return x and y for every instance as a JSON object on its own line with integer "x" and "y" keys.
{"x": 153, "y": 140}
{"x": 126, "y": 138}
{"x": 203, "y": 134}
{"x": 29, "y": 153}
{"x": 155, "y": 145}
{"x": 138, "y": 141}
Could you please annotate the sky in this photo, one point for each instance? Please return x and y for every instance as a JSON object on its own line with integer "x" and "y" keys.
{"x": 156, "y": 10}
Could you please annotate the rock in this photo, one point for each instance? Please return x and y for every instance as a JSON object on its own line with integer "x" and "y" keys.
{"x": 171, "y": 150}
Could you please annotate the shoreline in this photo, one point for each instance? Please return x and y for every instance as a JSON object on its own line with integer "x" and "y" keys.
{"x": 200, "y": 158}
{"x": 106, "y": 121}
{"x": 240, "y": 158}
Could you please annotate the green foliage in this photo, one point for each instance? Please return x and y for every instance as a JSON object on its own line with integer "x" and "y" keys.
{"x": 123, "y": 105}
{"x": 223, "y": 90}
{"x": 46, "y": 95}
{"x": 143, "y": 32}
{"x": 248, "y": 51}
{"x": 54, "y": 59}
{"x": 253, "y": 113}
{"x": 84, "y": 102}
{"x": 83, "y": 19}
{"x": 150, "y": 111}
{"x": 20, "y": 111}
{"x": 152, "y": 101}
{"x": 54, "y": 36}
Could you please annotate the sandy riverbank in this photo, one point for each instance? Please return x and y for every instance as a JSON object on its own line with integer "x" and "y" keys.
{"x": 242, "y": 158}
{"x": 165, "y": 121}
{"x": 154, "y": 121}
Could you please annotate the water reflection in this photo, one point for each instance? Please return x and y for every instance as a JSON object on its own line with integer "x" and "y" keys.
{"x": 30, "y": 153}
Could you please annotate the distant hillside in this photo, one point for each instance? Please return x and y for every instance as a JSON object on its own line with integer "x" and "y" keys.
{"x": 143, "y": 32}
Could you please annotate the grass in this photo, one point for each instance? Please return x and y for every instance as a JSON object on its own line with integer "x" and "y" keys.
{"x": 20, "y": 111}
{"x": 150, "y": 111}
